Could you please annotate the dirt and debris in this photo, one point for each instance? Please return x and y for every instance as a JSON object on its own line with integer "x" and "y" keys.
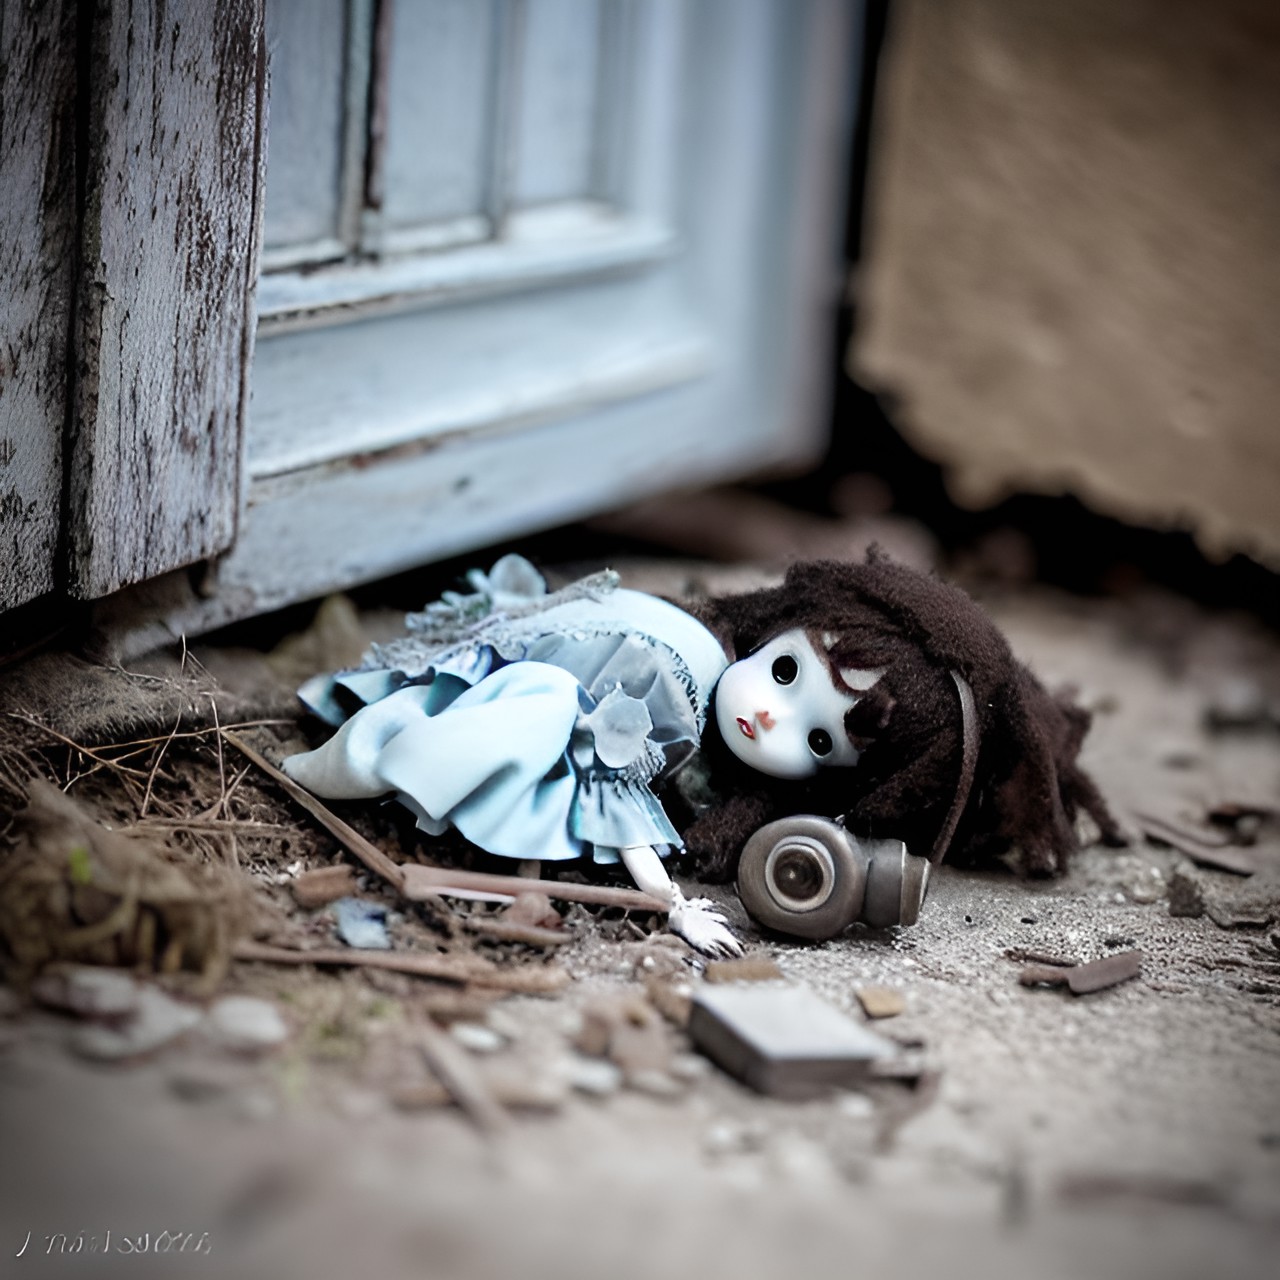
{"x": 73, "y": 889}
{"x": 551, "y": 1016}
{"x": 1083, "y": 979}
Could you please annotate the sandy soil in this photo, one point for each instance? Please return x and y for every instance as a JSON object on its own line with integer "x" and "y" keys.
{"x": 1132, "y": 1132}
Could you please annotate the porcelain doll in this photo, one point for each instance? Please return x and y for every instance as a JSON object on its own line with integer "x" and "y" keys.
{"x": 545, "y": 725}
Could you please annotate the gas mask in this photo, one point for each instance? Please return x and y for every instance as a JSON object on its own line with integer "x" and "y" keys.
{"x": 808, "y": 877}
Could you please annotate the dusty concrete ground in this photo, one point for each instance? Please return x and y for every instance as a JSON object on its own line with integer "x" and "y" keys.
{"x": 1132, "y": 1132}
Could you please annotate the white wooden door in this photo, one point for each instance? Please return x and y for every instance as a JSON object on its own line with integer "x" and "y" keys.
{"x": 528, "y": 259}
{"x": 521, "y": 260}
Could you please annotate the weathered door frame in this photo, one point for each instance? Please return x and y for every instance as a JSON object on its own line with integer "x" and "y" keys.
{"x": 131, "y": 173}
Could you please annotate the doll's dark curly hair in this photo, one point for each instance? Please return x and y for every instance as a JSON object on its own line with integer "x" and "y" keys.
{"x": 1026, "y": 785}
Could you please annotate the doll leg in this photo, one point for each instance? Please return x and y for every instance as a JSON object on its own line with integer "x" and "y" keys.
{"x": 696, "y": 920}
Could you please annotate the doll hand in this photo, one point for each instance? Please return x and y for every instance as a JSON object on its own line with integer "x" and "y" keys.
{"x": 703, "y": 927}
{"x": 698, "y": 921}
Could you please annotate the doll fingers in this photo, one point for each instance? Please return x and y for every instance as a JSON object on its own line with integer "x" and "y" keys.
{"x": 704, "y": 928}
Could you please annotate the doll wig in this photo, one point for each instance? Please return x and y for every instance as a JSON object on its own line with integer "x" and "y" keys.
{"x": 981, "y": 779}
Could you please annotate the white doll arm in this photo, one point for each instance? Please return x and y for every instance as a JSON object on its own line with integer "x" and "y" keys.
{"x": 696, "y": 920}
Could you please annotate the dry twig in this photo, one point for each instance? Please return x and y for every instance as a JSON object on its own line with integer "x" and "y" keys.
{"x": 527, "y": 980}
{"x": 348, "y": 836}
{"x": 465, "y": 1087}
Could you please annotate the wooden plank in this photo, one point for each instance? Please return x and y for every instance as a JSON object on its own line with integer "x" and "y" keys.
{"x": 169, "y": 252}
{"x": 323, "y": 394}
{"x": 37, "y": 228}
{"x": 326, "y": 528}
{"x": 527, "y": 257}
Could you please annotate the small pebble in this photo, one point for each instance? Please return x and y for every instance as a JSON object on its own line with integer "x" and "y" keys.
{"x": 657, "y": 1084}
{"x": 88, "y": 991}
{"x": 1148, "y": 888}
{"x": 729, "y": 1137}
{"x": 245, "y": 1024}
{"x": 689, "y": 1066}
{"x": 1186, "y": 896}
{"x": 1237, "y": 702}
{"x": 856, "y": 1105}
{"x": 477, "y": 1037}
{"x": 504, "y": 1023}
{"x": 796, "y": 1158}
{"x": 157, "y": 1020}
{"x": 595, "y": 1076}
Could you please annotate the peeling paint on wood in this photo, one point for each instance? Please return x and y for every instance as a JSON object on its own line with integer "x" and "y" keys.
{"x": 37, "y": 223}
{"x": 168, "y": 265}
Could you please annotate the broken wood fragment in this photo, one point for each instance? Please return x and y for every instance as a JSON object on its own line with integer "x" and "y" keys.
{"x": 501, "y": 930}
{"x": 1097, "y": 975}
{"x": 348, "y": 836}
{"x": 528, "y": 980}
{"x": 1246, "y": 915}
{"x": 1043, "y": 975}
{"x": 747, "y": 969}
{"x": 421, "y": 882}
{"x": 1166, "y": 1189}
{"x": 510, "y": 1085}
{"x": 533, "y": 908}
{"x": 466, "y": 1087}
{"x": 1206, "y": 849}
{"x": 1040, "y": 957}
{"x": 322, "y": 886}
{"x": 880, "y": 1002}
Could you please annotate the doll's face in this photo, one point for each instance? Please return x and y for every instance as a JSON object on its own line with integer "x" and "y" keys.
{"x": 780, "y": 713}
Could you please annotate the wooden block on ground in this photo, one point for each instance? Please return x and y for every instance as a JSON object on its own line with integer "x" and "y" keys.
{"x": 880, "y": 1002}
{"x": 783, "y": 1040}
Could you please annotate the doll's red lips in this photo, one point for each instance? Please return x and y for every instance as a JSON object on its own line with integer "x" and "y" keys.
{"x": 745, "y": 726}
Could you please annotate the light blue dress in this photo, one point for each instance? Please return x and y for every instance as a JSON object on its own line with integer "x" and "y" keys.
{"x": 535, "y": 724}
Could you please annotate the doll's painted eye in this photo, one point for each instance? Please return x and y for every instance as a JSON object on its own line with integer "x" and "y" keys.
{"x": 820, "y": 742}
{"x": 785, "y": 669}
